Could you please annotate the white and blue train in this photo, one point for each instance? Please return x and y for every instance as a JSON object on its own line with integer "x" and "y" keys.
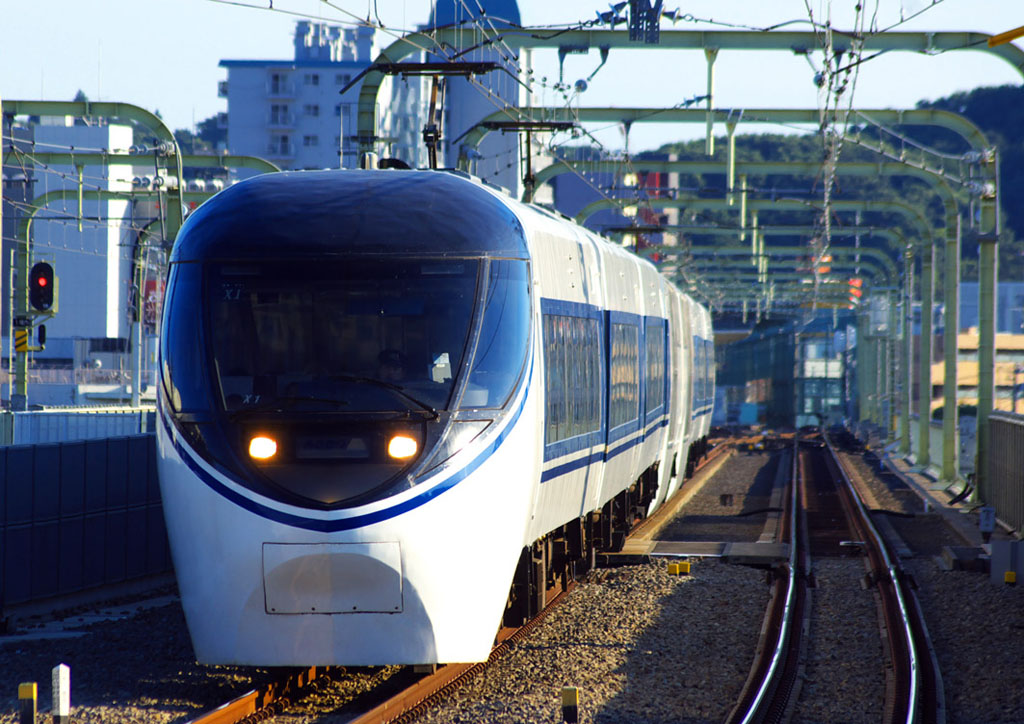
{"x": 398, "y": 409}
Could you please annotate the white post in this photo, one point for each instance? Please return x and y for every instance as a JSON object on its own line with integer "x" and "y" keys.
{"x": 61, "y": 694}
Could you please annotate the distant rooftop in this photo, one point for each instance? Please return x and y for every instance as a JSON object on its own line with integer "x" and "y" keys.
{"x": 450, "y": 12}
{"x": 322, "y": 44}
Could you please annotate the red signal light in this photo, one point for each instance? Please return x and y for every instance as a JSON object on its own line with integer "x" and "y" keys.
{"x": 41, "y": 287}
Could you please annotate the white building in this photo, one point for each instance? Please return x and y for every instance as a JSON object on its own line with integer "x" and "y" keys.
{"x": 292, "y": 111}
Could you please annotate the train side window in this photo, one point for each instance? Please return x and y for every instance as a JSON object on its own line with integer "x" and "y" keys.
{"x": 654, "y": 380}
{"x": 698, "y": 373}
{"x": 710, "y": 382}
{"x": 573, "y": 375}
{"x": 623, "y": 374}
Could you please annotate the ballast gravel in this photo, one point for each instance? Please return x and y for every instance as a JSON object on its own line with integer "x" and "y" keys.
{"x": 640, "y": 645}
{"x": 844, "y": 673}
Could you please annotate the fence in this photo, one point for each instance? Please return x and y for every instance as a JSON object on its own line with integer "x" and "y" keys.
{"x": 1006, "y": 487}
{"x": 78, "y": 515}
{"x": 79, "y": 423}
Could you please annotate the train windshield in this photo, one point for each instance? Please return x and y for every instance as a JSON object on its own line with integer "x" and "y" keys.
{"x": 348, "y": 336}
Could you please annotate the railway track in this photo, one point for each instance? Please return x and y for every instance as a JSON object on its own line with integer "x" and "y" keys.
{"x": 825, "y": 516}
{"x": 262, "y": 704}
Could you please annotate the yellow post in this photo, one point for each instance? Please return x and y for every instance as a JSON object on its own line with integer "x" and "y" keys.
{"x": 81, "y": 181}
{"x": 730, "y": 128}
{"x": 711, "y": 54}
{"x": 27, "y": 696}
{"x": 570, "y": 704}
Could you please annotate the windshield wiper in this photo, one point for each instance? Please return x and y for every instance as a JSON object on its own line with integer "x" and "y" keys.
{"x": 276, "y": 403}
{"x": 389, "y": 386}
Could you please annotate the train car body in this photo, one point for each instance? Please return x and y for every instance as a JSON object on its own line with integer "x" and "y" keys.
{"x": 382, "y": 389}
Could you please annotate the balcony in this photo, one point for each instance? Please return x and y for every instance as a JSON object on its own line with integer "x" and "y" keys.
{"x": 276, "y": 149}
{"x": 280, "y": 89}
{"x": 281, "y": 120}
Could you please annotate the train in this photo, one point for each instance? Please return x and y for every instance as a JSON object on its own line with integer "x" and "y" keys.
{"x": 398, "y": 408}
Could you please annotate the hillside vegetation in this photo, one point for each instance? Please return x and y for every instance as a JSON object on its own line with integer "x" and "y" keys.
{"x": 997, "y": 111}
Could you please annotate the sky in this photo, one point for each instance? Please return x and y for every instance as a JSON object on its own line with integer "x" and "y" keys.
{"x": 163, "y": 54}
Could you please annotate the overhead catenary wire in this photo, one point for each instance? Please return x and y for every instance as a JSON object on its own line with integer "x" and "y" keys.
{"x": 487, "y": 35}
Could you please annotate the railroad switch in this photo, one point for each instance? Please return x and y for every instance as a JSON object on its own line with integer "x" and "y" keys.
{"x": 1010, "y": 578}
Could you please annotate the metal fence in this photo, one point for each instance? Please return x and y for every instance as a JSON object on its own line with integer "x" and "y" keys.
{"x": 1006, "y": 487}
{"x": 79, "y": 515}
{"x": 77, "y": 423}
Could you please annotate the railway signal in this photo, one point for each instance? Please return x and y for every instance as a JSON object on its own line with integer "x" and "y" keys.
{"x": 42, "y": 288}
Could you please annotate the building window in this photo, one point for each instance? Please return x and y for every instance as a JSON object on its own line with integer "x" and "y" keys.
{"x": 310, "y": 141}
{"x": 278, "y": 83}
{"x": 280, "y": 144}
{"x": 312, "y": 79}
{"x": 337, "y": 110}
{"x": 311, "y": 109}
{"x": 279, "y": 113}
{"x": 342, "y": 78}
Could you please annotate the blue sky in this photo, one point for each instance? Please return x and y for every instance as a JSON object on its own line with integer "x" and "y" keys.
{"x": 164, "y": 54}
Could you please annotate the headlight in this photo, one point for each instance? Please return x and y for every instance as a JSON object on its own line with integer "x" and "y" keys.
{"x": 402, "y": 447}
{"x": 262, "y": 447}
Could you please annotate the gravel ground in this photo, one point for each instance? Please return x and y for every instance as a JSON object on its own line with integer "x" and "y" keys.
{"x": 642, "y": 646}
{"x": 138, "y": 669}
{"x": 118, "y": 679}
{"x": 977, "y": 627}
{"x": 652, "y": 655}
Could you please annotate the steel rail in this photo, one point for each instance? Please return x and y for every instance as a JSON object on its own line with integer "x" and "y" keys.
{"x": 406, "y": 704}
{"x": 260, "y": 703}
{"x": 765, "y": 694}
{"x": 916, "y": 676}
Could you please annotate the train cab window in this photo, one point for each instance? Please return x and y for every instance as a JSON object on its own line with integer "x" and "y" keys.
{"x": 302, "y": 337}
{"x": 504, "y": 336}
{"x": 623, "y": 374}
{"x": 184, "y": 376}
